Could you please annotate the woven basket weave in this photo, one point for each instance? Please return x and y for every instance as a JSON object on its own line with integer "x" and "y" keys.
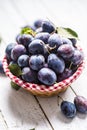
{"x": 42, "y": 90}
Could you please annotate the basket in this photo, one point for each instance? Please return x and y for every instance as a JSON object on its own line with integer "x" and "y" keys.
{"x": 42, "y": 90}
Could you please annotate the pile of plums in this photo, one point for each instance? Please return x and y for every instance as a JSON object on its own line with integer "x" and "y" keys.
{"x": 45, "y": 57}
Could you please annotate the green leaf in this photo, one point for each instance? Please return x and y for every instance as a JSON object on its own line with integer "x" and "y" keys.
{"x": 15, "y": 86}
{"x": 32, "y": 129}
{"x": 15, "y": 69}
{"x": 67, "y": 32}
{"x": 27, "y": 30}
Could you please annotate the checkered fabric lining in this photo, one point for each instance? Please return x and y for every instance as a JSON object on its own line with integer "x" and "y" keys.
{"x": 42, "y": 88}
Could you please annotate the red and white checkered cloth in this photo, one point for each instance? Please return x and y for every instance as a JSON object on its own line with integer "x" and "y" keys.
{"x": 42, "y": 88}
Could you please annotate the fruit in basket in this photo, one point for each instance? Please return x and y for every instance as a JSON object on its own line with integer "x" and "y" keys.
{"x": 38, "y": 23}
{"x": 8, "y": 50}
{"x": 36, "y": 47}
{"x": 36, "y": 62}
{"x": 43, "y": 36}
{"x": 66, "y": 41}
{"x": 55, "y": 41}
{"x": 66, "y": 74}
{"x": 44, "y": 56}
{"x": 68, "y": 109}
{"x": 24, "y": 39}
{"x": 77, "y": 57}
{"x": 74, "y": 41}
{"x": 55, "y": 63}
{"x": 66, "y": 51}
{"x": 48, "y": 27}
{"x": 23, "y": 60}
{"x": 29, "y": 75}
{"x": 17, "y": 51}
{"x": 47, "y": 76}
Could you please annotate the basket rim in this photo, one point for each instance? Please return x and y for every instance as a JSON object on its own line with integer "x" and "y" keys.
{"x": 42, "y": 88}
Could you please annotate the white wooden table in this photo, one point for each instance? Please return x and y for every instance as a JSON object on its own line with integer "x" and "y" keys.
{"x": 20, "y": 110}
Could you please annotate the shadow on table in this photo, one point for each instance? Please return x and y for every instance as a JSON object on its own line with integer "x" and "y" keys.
{"x": 81, "y": 116}
{"x": 24, "y": 108}
{"x": 68, "y": 120}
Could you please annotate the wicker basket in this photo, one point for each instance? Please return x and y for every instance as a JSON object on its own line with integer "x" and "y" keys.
{"x": 42, "y": 90}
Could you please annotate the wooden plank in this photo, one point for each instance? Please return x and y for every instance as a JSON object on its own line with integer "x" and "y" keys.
{"x": 20, "y": 109}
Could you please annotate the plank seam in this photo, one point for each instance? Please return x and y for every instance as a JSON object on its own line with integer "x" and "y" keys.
{"x": 4, "y": 120}
{"x": 43, "y": 112}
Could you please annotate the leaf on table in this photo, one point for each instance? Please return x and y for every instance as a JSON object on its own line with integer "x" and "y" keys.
{"x": 27, "y": 30}
{"x": 67, "y": 32}
{"x": 15, "y": 69}
{"x": 15, "y": 86}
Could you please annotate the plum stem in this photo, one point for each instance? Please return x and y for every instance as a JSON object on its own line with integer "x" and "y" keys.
{"x": 73, "y": 91}
{"x": 77, "y": 66}
{"x": 58, "y": 99}
{"x": 51, "y": 48}
{"x": 70, "y": 66}
{"x": 55, "y": 82}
